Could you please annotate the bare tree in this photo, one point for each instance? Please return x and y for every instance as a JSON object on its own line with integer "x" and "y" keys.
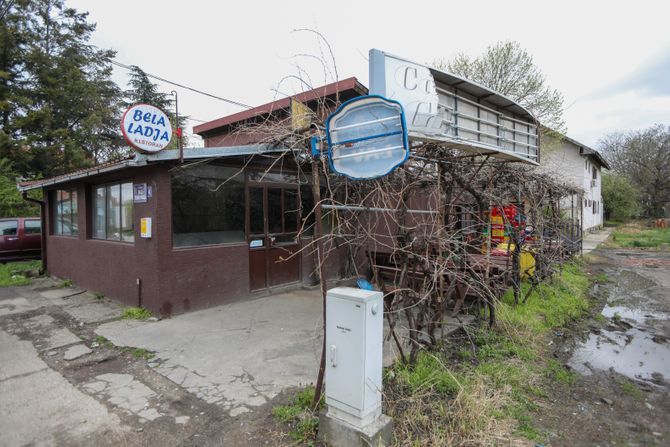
{"x": 507, "y": 68}
{"x": 644, "y": 157}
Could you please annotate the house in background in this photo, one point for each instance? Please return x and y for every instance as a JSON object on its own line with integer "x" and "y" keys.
{"x": 581, "y": 166}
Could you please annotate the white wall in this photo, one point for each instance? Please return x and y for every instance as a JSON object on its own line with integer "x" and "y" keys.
{"x": 561, "y": 159}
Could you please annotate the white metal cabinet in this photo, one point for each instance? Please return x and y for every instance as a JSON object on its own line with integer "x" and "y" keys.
{"x": 354, "y": 337}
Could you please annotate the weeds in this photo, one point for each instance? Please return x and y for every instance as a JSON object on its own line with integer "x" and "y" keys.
{"x": 636, "y": 236}
{"x": 103, "y": 341}
{"x": 491, "y": 396}
{"x": 98, "y": 295}
{"x": 65, "y": 283}
{"x": 303, "y": 422}
{"x": 135, "y": 313}
{"x": 630, "y": 388}
{"x": 141, "y": 353}
{"x": 15, "y": 273}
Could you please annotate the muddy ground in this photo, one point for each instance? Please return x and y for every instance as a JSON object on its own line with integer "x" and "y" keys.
{"x": 621, "y": 354}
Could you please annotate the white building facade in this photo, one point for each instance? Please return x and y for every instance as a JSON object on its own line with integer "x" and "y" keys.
{"x": 577, "y": 164}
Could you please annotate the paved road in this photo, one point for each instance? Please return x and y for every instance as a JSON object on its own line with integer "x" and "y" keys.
{"x": 591, "y": 241}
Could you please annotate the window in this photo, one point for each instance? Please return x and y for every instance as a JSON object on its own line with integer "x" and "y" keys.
{"x": 32, "y": 226}
{"x": 65, "y": 213}
{"x": 595, "y": 173}
{"x": 113, "y": 212}
{"x": 8, "y": 227}
{"x": 208, "y": 206}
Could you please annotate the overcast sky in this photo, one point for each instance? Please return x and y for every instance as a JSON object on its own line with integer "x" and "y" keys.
{"x": 611, "y": 59}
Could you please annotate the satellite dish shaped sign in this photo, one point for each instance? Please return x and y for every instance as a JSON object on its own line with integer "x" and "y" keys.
{"x": 367, "y": 137}
{"x": 146, "y": 128}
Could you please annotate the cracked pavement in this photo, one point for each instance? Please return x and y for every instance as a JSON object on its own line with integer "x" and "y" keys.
{"x": 211, "y": 382}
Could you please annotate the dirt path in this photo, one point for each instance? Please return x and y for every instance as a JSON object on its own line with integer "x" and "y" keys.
{"x": 621, "y": 396}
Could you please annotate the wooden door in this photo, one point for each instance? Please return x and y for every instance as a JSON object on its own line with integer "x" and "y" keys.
{"x": 273, "y": 216}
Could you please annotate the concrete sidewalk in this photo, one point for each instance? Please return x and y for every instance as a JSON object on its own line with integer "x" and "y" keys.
{"x": 239, "y": 355}
{"x": 591, "y": 241}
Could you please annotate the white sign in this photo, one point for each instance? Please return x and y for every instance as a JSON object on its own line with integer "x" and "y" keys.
{"x": 140, "y": 192}
{"x": 367, "y": 137}
{"x": 146, "y": 128}
{"x": 444, "y": 108}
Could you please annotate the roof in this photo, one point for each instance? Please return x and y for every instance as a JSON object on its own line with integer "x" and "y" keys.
{"x": 583, "y": 149}
{"x": 143, "y": 159}
{"x": 86, "y": 172}
{"x": 349, "y": 84}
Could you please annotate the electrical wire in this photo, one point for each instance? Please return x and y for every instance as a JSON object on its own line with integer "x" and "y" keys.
{"x": 229, "y": 101}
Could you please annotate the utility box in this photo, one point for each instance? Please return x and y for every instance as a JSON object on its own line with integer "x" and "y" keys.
{"x": 354, "y": 345}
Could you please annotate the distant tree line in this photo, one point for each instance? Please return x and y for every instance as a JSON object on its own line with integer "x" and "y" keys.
{"x": 59, "y": 107}
{"x": 640, "y": 181}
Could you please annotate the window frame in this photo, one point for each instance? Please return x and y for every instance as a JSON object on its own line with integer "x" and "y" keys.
{"x": 106, "y": 187}
{"x": 57, "y": 215}
{"x": 16, "y": 227}
{"x": 25, "y": 226}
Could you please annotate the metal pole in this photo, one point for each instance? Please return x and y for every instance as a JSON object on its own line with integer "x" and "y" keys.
{"x": 318, "y": 234}
{"x": 176, "y": 112}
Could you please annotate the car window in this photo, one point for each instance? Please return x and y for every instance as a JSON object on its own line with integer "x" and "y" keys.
{"x": 8, "y": 227}
{"x": 33, "y": 226}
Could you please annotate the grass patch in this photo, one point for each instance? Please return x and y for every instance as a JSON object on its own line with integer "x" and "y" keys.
{"x": 298, "y": 415}
{"x": 141, "y": 353}
{"x": 103, "y": 341}
{"x": 15, "y": 273}
{"x": 135, "y": 313}
{"x": 492, "y": 396}
{"x": 630, "y": 388}
{"x": 634, "y": 235}
{"x": 65, "y": 283}
{"x": 98, "y": 295}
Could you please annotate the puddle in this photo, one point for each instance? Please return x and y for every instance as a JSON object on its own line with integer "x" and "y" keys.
{"x": 628, "y": 350}
{"x": 637, "y": 315}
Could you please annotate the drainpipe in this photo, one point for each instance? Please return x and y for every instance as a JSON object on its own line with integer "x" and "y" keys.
{"x": 43, "y": 220}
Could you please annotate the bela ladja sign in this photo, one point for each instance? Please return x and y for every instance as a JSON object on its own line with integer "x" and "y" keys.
{"x": 146, "y": 128}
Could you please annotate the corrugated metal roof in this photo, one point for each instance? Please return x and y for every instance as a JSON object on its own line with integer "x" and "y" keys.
{"x": 85, "y": 172}
{"x": 310, "y": 95}
{"x": 162, "y": 156}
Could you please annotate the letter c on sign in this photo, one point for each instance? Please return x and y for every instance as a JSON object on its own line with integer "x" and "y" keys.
{"x": 410, "y": 78}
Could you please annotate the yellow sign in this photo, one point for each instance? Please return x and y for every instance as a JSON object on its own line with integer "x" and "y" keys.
{"x": 145, "y": 227}
{"x": 301, "y": 115}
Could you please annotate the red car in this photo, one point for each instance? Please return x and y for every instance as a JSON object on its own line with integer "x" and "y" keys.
{"x": 20, "y": 238}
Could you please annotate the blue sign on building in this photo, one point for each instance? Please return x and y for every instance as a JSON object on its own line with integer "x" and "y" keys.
{"x": 367, "y": 137}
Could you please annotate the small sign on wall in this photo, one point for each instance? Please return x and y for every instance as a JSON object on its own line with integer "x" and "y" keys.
{"x": 145, "y": 227}
{"x": 140, "y": 192}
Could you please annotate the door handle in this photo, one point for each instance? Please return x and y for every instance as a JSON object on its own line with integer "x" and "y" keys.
{"x": 333, "y": 356}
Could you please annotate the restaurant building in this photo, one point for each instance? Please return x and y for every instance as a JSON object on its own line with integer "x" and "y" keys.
{"x": 173, "y": 236}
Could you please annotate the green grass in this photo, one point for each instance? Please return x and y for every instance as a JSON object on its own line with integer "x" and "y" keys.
{"x": 630, "y": 388}
{"x": 135, "y": 313}
{"x": 98, "y": 295}
{"x": 631, "y": 236}
{"x": 303, "y": 422}
{"x": 103, "y": 341}
{"x": 65, "y": 283}
{"x": 12, "y": 273}
{"x": 141, "y": 353}
{"x": 456, "y": 398}
{"x": 551, "y": 305}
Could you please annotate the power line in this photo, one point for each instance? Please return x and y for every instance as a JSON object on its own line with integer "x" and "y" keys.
{"x": 230, "y": 101}
{"x": 9, "y": 6}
